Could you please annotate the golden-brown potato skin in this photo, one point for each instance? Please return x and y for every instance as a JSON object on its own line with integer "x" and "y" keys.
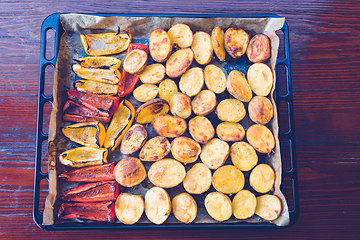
{"x": 145, "y": 92}
{"x": 204, "y": 102}
{"x": 243, "y": 156}
{"x": 259, "y": 48}
{"x": 238, "y": 86}
{"x": 260, "y": 110}
{"x": 135, "y": 61}
{"x": 185, "y": 149}
{"x": 154, "y": 149}
{"x": 167, "y": 88}
{"x": 159, "y": 45}
{"x": 236, "y": 42}
{"x": 169, "y": 126}
{"x": 214, "y": 153}
{"x": 180, "y": 105}
{"x": 217, "y": 39}
{"x": 133, "y": 139}
{"x": 261, "y": 138}
{"x": 201, "y": 129}
{"x": 215, "y": 78}
{"x": 179, "y": 62}
{"x": 129, "y": 172}
{"x": 230, "y": 110}
{"x": 230, "y": 131}
{"x": 202, "y": 47}
{"x": 260, "y": 78}
{"x": 153, "y": 74}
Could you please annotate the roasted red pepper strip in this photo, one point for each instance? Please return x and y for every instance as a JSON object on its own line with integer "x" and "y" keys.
{"x": 103, "y": 105}
{"x": 128, "y": 81}
{"x": 100, "y": 211}
{"x": 74, "y": 112}
{"x": 93, "y": 192}
{"x": 95, "y": 173}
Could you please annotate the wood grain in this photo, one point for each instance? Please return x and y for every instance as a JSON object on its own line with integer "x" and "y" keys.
{"x": 325, "y": 57}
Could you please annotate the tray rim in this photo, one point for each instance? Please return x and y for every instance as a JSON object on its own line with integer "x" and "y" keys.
{"x": 53, "y": 22}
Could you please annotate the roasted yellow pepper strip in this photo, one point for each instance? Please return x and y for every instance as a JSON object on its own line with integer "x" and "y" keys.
{"x": 99, "y": 62}
{"x": 120, "y": 123}
{"x": 83, "y": 156}
{"x": 91, "y": 134}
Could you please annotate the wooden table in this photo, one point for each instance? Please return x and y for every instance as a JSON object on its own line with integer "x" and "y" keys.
{"x": 325, "y": 53}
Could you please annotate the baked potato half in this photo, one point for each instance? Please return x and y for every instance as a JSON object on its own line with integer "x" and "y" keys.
{"x": 153, "y": 74}
{"x": 166, "y": 173}
{"x": 197, "y": 179}
{"x": 202, "y": 47}
{"x": 217, "y": 39}
{"x": 204, "y": 102}
{"x": 184, "y": 208}
{"x": 129, "y": 172}
{"x": 236, "y": 42}
{"x": 218, "y": 206}
{"x": 230, "y": 131}
{"x": 259, "y": 48}
{"x": 201, "y": 129}
{"x": 262, "y": 178}
{"x": 243, "y": 156}
{"x": 169, "y": 126}
{"x": 230, "y": 110}
{"x": 228, "y": 179}
{"x": 149, "y": 110}
{"x": 185, "y": 149}
{"x": 145, "y": 92}
{"x": 129, "y": 208}
{"x": 244, "y": 204}
{"x": 166, "y": 89}
{"x": 192, "y": 81}
{"x": 181, "y": 36}
{"x": 260, "y": 110}
{"x": 157, "y": 205}
{"x": 260, "y": 78}
{"x": 214, "y": 153}
{"x": 261, "y": 138}
{"x": 238, "y": 86}
{"x": 160, "y": 45}
{"x": 133, "y": 139}
{"x": 179, "y": 62}
{"x": 180, "y": 105}
{"x": 135, "y": 61}
{"x": 215, "y": 79}
{"x": 268, "y": 207}
{"x": 155, "y": 149}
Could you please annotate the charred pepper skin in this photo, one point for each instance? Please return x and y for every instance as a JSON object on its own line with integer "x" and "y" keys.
{"x": 96, "y": 173}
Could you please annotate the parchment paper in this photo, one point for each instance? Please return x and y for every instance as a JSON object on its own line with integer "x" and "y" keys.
{"x": 71, "y": 48}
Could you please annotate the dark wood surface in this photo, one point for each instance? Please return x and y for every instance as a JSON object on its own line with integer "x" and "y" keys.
{"x": 325, "y": 53}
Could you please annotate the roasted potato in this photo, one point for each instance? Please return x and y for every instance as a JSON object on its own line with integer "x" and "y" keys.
{"x": 145, "y": 92}
{"x": 238, "y": 86}
{"x": 236, "y": 42}
{"x": 230, "y": 131}
{"x": 261, "y": 138}
{"x": 230, "y": 110}
{"x": 135, "y": 61}
{"x": 149, "y": 110}
{"x": 215, "y": 79}
{"x": 180, "y": 105}
{"x": 185, "y": 149}
{"x": 197, "y": 179}
{"x": 83, "y": 156}
{"x": 192, "y": 81}
{"x": 91, "y": 134}
{"x": 129, "y": 208}
{"x": 109, "y": 76}
{"x": 153, "y": 74}
{"x": 169, "y": 126}
{"x": 181, "y": 36}
{"x": 243, "y": 156}
{"x": 184, "y": 208}
{"x": 244, "y": 204}
{"x": 260, "y": 78}
{"x": 105, "y": 43}
{"x": 262, "y": 178}
{"x": 215, "y": 153}
{"x": 201, "y": 129}
{"x": 268, "y": 207}
{"x": 133, "y": 139}
{"x": 95, "y": 87}
{"x": 157, "y": 205}
{"x": 166, "y": 89}
{"x": 179, "y": 62}
{"x": 259, "y": 48}
{"x": 204, "y": 102}
{"x": 228, "y": 179}
{"x": 218, "y": 206}
{"x": 160, "y": 45}
{"x": 260, "y": 110}
{"x": 202, "y": 47}
{"x": 217, "y": 39}
{"x": 155, "y": 149}
{"x": 129, "y": 172}
{"x": 166, "y": 173}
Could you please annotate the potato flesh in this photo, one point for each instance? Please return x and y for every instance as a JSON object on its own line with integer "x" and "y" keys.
{"x": 230, "y": 110}
{"x": 184, "y": 207}
{"x": 91, "y": 134}
{"x": 157, "y": 205}
{"x": 129, "y": 172}
{"x": 244, "y": 204}
{"x": 151, "y": 109}
{"x": 260, "y": 78}
{"x": 215, "y": 79}
{"x": 181, "y": 36}
{"x": 155, "y": 149}
{"x": 179, "y": 62}
{"x": 230, "y": 131}
{"x": 110, "y": 76}
{"x": 180, "y": 105}
{"x": 133, "y": 139}
{"x": 145, "y": 92}
{"x": 217, "y": 39}
{"x": 262, "y": 178}
{"x": 129, "y": 208}
{"x": 238, "y": 86}
{"x": 204, "y": 102}
{"x": 218, "y": 206}
{"x": 243, "y": 156}
{"x": 167, "y": 88}
{"x": 202, "y": 47}
{"x": 268, "y": 207}
{"x": 228, "y": 179}
{"x": 201, "y": 129}
{"x": 214, "y": 153}
{"x": 95, "y": 87}
{"x": 166, "y": 173}
{"x": 169, "y": 126}
{"x": 261, "y": 138}
{"x": 197, "y": 179}
{"x": 83, "y": 156}
{"x": 153, "y": 74}
{"x": 260, "y": 110}
{"x": 159, "y": 45}
{"x": 236, "y": 42}
{"x": 185, "y": 149}
{"x": 192, "y": 81}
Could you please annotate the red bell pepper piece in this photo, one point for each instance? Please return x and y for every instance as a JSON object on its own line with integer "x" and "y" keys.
{"x": 103, "y": 105}
{"x": 95, "y": 173}
{"x": 100, "y": 211}
{"x": 128, "y": 81}
{"x": 93, "y": 192}
{"x": 74, "y": 112}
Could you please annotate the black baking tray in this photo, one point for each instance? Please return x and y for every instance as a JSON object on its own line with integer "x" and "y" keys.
{"x": 52, "y": 22}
